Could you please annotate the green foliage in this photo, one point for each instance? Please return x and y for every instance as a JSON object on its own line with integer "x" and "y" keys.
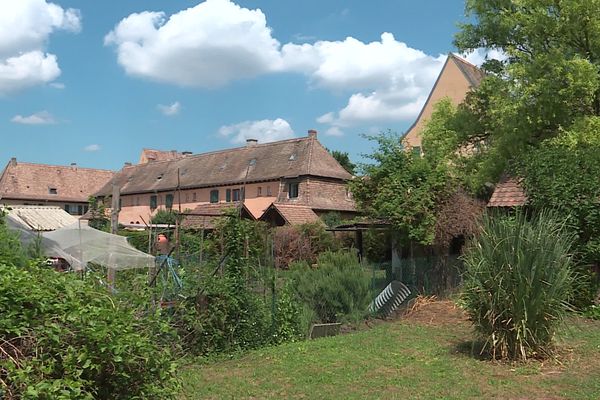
{"x": 302, "y": 243}
{"x": 225, "y": 317}
{"x": 562, "y": 174}
{"x": 65, "y": 339}
{"x": 592, "y": 312}
{"x": 97, "y": 212}
{"x": 11, "y": 252}
{"x": 518, "y": 281}
{"x": 404, "y": 188}
{"x": 332, "y": 219}
{"x": 343, "y": 158}
{"x": 337, "y": 289}
{"x": 287, "y": 321}
{"x": 168, "y": 217}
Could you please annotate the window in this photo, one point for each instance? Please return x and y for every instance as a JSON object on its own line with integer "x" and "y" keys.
{"x": 293, "y": 190}
{"x": 153, "y": 202}
{"x": 194, "y": 196}
{"x": 52, "y": 191}
{"x": 67, "y": 208}
{"x": 228, "y": 195}
{"x": 169, "y": 201}
{"x": 268, "y": 190}
{"x": 214, "y": 196}
{"x": 80, "y": 209}
{"x": 258, "y": 191}
{"x": 236, "y": 194}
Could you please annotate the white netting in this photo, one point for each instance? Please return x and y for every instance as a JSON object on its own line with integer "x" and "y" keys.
{"x": 79, "y": 244}
{"x": 88, "y": 245}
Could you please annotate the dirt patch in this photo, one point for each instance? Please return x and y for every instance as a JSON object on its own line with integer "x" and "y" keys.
{"x": 430, "y": 311}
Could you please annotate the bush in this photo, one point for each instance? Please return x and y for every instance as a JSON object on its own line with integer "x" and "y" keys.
{"x": 302, "y": 243}
{"x": 337, "y": 289}
{"x": 61, "y": 338}
{"x": 222, "y": 319}
{"x": 518, "y": 281}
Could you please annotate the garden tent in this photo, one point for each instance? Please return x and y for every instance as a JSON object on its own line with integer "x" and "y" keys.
{"x": 84, "y": 245}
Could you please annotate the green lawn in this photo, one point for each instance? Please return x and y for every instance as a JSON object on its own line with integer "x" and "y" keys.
{"x": 420, "y": 358}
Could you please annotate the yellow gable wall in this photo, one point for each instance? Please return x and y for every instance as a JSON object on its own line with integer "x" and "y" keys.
{"x": 452, "y": 84}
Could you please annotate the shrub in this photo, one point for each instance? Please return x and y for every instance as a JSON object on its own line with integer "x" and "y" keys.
{"x": 61, "y": 338}
{"x": 338, "y": 288}
{"x": 302, "y": 243}
{"x": 518, "y": 281}
{"x": 11, "y": 251}
{"x": 287, "y": 320}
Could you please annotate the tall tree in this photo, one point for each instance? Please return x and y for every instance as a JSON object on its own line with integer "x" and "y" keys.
{"x": 343, "y": 158}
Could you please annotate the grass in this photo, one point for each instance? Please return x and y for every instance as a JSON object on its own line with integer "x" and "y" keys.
{"x": 427, "y": 356}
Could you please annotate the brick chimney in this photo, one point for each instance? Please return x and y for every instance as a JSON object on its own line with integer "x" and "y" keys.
{"x": 312, "y": 133}
{"x": 251, "y": 142}
{"x": 13, "y": 161}
{"x": 127, "y": 164}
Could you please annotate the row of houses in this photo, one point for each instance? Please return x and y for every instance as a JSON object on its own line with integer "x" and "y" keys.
{"x": 286, "y": 182}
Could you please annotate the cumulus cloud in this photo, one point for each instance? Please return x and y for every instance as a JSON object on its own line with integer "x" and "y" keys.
{"x": 207, "y": 45}
{"x": 92, "y": 148}
{"x": 25, "y": 27}
{"x": 217, "y": 41}
{"x": 39, "y": 118}
{"x": 264, "y": 131}
{"x": 170, "y": 110}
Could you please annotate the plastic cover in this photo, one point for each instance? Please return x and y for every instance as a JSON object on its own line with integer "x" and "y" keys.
{"x": 80, "y": 244}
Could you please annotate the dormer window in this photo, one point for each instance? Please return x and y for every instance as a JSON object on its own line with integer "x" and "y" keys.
{"x": 52, "y": 190}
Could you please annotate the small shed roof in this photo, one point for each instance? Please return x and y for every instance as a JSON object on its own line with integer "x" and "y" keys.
{"x": 40, "y": 218}
{"x": 508, "y": 193}
{"x": 294, "y": 214}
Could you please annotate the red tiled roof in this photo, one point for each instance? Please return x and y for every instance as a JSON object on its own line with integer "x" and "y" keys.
{"x": 508, "y": 193}
{"x": 27, "y": 181}
{"x": 261, "y": 162}
{"x": 296, "y": 215}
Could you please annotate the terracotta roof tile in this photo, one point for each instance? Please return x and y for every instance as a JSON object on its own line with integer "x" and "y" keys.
{"x": 255, "y": 163}
{"x": 27, "y": 181}
{"x": 296, "y": 215}
{"x": 508, "y": 193}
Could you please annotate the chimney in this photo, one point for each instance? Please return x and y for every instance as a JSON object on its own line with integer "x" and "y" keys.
{"x": 312, "y": 133}
{"x": 127, "y": 164}
{"x": 13, "y": 161}
{"x": 251, "y": 142}
{"x": 73, "y": 165}
{"x": 186, "y": 153}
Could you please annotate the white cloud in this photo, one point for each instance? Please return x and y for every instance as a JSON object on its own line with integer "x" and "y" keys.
{"x": 218, "y": 41}
{"x": 266, "y": 130}
{"x": 57, "y": 85}
{"x": 25, "y": 27}
{"x": 207, "y": 45}
{"x": 170, "y": 110}
{"x": 39, "y": 118}
{"x": 334, "y": 131}
{"x": 479, "y": 56}
{"x": 92, "y": 148}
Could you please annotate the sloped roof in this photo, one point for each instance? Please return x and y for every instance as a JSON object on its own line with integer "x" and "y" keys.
{"x": 473, "y": 74}
{"x": 253, "y": 163}
{"x": 150, "y": 155}
{"x": 508, "y": 193}
{"x": 40, "y": 218}
{"x": 294, "y": 214}
{"x": 28, "y": 181}
{"x": 258, "y": 205}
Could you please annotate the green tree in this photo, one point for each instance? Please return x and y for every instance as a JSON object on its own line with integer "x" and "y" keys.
{"x": 549, "y": 80}
{"x": 343, "y": 158}
{"x": 404, "y": 188}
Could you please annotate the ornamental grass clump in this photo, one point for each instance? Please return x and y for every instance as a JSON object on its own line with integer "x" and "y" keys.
{"x": 518, "y": 281}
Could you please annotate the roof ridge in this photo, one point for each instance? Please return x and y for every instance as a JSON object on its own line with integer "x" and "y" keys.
{"x": 463, "y": 60}
{"x": 62, "y": 166}
{"x": 220, "y": 151}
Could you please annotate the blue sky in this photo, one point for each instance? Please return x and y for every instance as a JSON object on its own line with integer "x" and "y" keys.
{"x": 97, "y": 81}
